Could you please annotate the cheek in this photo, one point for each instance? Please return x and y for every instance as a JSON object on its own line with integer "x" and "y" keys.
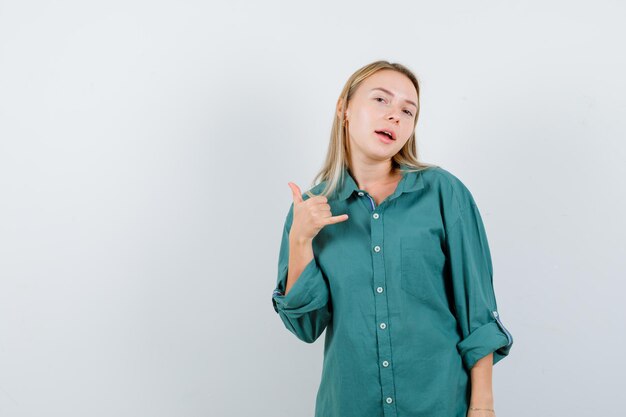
{"x": 370, "y": 111}
{"x": 405, "y": 137}
{"x": 362, "y": 121}
{"x": 362, "y": 117}
{"x": 407, "y": 128}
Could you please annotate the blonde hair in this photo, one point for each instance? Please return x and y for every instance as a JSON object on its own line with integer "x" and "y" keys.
{"x": 337, "y": 154}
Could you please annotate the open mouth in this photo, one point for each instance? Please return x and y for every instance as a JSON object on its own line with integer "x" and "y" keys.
{"x": 385, "y": 135}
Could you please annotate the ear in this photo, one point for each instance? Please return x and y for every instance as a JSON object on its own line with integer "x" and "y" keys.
{"x": 339, "y": 103}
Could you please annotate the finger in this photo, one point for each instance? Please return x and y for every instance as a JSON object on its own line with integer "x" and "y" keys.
{"x": 322, "y": 214}
{"x": 295, "y": 191}
{"x": 337, "y": 219}
{"x": 318, "y": 199}
{"x": 321, "y": 207}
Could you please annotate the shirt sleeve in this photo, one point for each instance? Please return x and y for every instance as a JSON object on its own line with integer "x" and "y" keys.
{"x": 306, "y": 309}
{"x": 472, "y": 282}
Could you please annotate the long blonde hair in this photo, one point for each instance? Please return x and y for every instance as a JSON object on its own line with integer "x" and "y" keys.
{"x": 337, "y": 154}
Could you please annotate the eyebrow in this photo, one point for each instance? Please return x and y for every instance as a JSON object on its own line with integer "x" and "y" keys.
{"x": 392, "y": 95}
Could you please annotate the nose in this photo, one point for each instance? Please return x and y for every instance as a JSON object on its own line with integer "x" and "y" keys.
{"x": 394, "y": 114}
{"x": 393, "y": 117}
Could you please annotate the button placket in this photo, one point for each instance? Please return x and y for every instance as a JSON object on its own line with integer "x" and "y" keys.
{"x": 372, "y": 202}
{"x": 382, "y": 311}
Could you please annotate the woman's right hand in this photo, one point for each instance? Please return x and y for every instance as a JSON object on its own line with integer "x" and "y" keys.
{"x": 310, "y": 216}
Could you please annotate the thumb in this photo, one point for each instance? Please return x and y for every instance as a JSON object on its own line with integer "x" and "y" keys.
{"x": 297, "y": 194}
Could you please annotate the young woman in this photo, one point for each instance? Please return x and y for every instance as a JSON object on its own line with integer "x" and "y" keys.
{"x": 389, "y": 255}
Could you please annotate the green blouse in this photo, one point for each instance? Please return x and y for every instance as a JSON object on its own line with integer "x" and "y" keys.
{"x": 405, "y": 293}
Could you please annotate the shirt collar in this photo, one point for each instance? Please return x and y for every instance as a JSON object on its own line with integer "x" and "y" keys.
{"x": 411, "y": 181}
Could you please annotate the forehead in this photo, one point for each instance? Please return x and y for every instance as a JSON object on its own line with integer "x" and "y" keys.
{"x": 394, "y": 81}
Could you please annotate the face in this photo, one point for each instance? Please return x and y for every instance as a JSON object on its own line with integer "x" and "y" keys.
{"x": 386, "y": 101}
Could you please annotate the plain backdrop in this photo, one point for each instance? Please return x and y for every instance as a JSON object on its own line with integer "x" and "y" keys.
{"x": 145, "y": 150}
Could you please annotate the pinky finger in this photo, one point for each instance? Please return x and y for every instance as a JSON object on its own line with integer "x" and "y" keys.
{"x": 337, "y": 219}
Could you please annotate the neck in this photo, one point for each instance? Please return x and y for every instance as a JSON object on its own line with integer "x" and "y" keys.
{"x": 377, "y": 174}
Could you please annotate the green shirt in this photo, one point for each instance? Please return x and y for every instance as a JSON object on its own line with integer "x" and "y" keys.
{"x": 405, "y": 293}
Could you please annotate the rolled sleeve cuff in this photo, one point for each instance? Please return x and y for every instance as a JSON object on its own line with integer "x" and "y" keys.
{"x": 482, "y": 341}
{"x": 308, "y": 293}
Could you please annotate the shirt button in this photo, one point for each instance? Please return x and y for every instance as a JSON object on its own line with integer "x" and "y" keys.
{"x": 389, "y": 400}
{"x": 383, "y": 325}
{"x": 385, "y": 364}
{"x": 379, "y": 289}
{"x": 375, "y": 215}
{"x": 376, "y": 248}
{"x": 361, "y": 193}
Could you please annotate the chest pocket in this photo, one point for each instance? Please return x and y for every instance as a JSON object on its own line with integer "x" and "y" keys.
{"x": 421, "y": 266}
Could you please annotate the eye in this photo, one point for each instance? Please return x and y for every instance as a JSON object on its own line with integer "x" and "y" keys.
{"x": 376, "y": 98}
{"x": 409, "y": 112}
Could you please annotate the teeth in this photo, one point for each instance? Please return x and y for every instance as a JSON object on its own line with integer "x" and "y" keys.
{"x": 386, "y": 133}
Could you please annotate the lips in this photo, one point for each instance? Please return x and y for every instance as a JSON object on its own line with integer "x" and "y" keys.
{"x": 388, "y": 134}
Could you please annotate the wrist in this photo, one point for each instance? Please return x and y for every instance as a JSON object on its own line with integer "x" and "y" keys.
{"x": 480, "y": 399}
{"x": 299, "y": 240}
{"x": 481, "y": 403}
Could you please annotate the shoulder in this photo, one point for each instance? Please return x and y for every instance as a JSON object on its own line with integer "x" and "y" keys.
{"x": 453, "y": 193}
{"x": 448, "y": 182}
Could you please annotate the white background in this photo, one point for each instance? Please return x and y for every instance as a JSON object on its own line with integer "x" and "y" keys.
{"x": 145, "y": 150}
